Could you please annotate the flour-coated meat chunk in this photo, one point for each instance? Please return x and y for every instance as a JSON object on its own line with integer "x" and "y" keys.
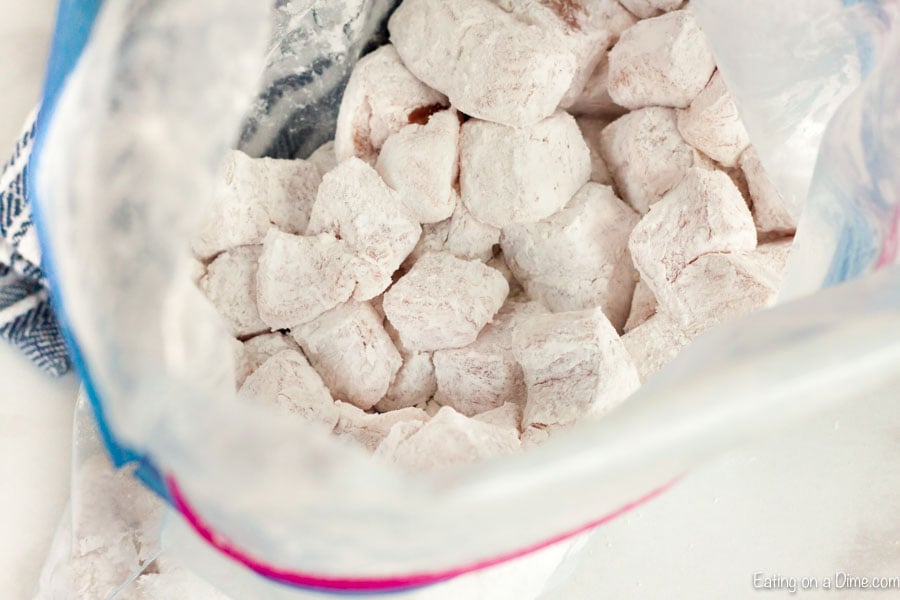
{"x": 242, "y": 366}
{"x": 262, "y": 347}
{"x": 447, "y": 439}
{"x": 301, "y": 277}
{"x": 381, "y": 98}
{"x": 575, "y": 366}
{"x": 594, "y": 100}
{"x": 646, "y": 155}
{"x": 490, "y": 64}
{"x": 421, "y": 162}
{"x": 712, "y": 125}
{"x": 370, "y": 429}
{"x": 288, "y": 382}
{"x": 654, "y": 343}
{"x": 324, "y": 157}
{"x": 704, "y": 213}
{"x": 720, "y": 286}
{"x": 769, "y": 210}
{"x": 485, "y": 374}
{"x": 357, "y": 207}
{"x": 586, "y": 27}
{"x": 230, "y": 284}
{"x": 518, "y": 175}
{"x": 643, "y": 306}
{"x": 591, "y": 128}
{"x": 577, "y": 258}
{"x": 413, "y": 384}
{"x": 661, "y": 61}
{"x": 444, "y": 301}
{"x": 645, "y": 9}
{"x": 352, "y": 352}
{"x": 507, "y": 415}
{"x": 252, "y": 195}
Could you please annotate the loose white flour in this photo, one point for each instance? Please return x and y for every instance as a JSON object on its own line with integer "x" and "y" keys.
{"x": 529, "y": 208}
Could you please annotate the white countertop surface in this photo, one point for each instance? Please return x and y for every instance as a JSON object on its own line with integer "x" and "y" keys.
{"x": 805, "y": 502}
{"x": 35, "y": 410}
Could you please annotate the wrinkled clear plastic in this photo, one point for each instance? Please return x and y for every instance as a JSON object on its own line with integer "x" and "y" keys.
{"x": 161, "y": 93}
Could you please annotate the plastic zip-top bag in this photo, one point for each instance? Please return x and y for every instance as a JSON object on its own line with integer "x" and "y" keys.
{"x": 275, "y": 508}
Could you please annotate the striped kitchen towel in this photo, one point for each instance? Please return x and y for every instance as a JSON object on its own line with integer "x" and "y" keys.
{"x": 26, "y": 317}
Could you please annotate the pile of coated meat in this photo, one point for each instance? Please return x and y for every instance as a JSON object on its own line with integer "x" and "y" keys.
{"x": 529, "y": 207}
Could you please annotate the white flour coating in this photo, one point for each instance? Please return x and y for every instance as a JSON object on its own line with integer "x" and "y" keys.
{"x": 301, "y": 277}
{"x": 774, "y": 255}
{"x": 352, "y": 352}
{"x": 575, "y": 366}
{"x": 643, "y": 306}
{"x": 462, "y": 235}
{"x": 444, "y": 301}
{"x": 718, "y": 287}
{"x": 645, "y": 9}
{"x": 236, "y": 214}
{"x": 662, "y": 61}
{"x": 769, "y": 210}
{"x": 740, "y": 181}
{"x": 646, "y": 155}
{"x": 517, "y": 175}
{"x": 433, "y": 239}
{"x": 586, "y": 27}
{"x": 467, "y": 237}
{"x": 577, "y": 258}
{"x": 509, "y": 415}
{"x": 370, "y": 429}
{"x": 376, "y": 303}
{"x": 288, "y": 382}
{"x": 230, "y": 284}
{"x": 712, "y": 125}
{"x": 357, "y": 207}
{"x": 398, "y": 435}
{"x": 484, "y": 375}
{"x": 654, "y": 343}
{"x": 291, "y": 192}
{"x": 261, "y": 348}
{"x": 324, "y": 158}
{"x": 447, "y": 439}
{"x": 430, "y": 407}
{"x": 490, "y": 64}
{"x": 594, "y": 99}
{"x": 414, "y": 383}
{"x": 252, "y": 195}
{"x": 498, "y": 262}
{"x": 421, "y": 162}
{"x": 704, "y": 214}
{"x": 599, "y": 25}
{"x": 591, "y": 128}
{"x": 533, "y": 436}
{"x": 242, "y": 366}
{"x": 378, "y": 100}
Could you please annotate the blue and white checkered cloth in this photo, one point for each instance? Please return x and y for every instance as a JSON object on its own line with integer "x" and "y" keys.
{"x": 26, "y": 317}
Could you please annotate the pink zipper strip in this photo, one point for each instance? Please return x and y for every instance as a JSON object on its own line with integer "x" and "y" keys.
{"x": 373, "y": 584}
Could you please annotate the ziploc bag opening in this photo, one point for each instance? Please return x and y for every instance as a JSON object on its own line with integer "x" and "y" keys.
{"x": 133, "y": 147}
